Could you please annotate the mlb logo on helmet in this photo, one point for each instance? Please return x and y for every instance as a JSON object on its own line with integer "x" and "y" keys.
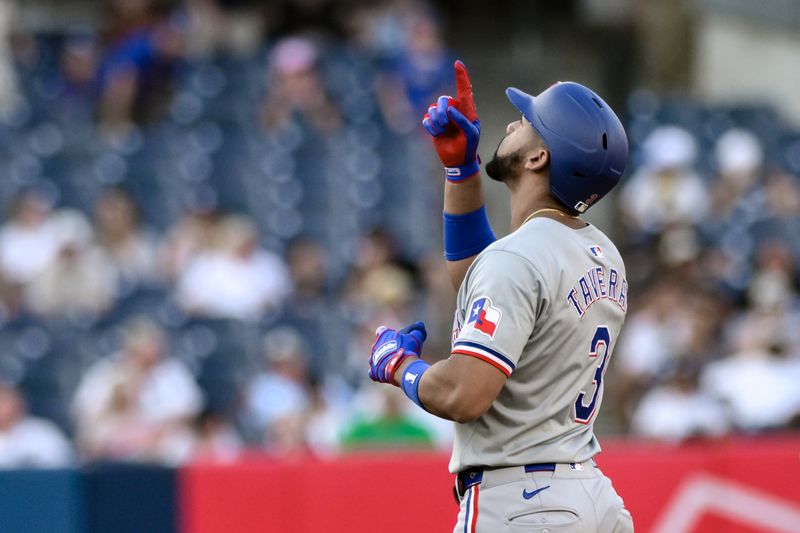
{"x": 484, "y": 317}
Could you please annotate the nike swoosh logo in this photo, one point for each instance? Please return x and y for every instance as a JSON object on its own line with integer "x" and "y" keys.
{"x": 528, "y": 495}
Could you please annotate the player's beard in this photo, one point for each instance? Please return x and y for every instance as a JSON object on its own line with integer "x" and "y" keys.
{"x": 502, "y": 168}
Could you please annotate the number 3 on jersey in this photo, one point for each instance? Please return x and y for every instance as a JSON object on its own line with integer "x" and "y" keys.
{"x": 601, "y": 342}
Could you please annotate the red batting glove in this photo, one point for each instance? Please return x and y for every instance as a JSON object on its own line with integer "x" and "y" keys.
{"x": 453, "y": 123}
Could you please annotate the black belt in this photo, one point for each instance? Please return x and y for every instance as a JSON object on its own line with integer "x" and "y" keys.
{"x": 473, "y": 476}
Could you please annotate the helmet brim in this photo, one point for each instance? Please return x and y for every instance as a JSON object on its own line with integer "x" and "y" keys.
{"x": 524, "y": 102}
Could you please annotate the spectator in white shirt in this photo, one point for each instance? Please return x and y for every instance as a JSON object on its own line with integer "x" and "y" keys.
{"x": 666, "y": 189}
{"x": 758, "y": 382}
{"x": 138, "y": 403}
{"x": 27, "y": 240}
{"x": 235, "y": 278}
{"x": 677, "y": 410}
{"x": 80, "y": 279}
{"x": 739, "y": 160}
{"x": 28, "y": 441}
{"x": 655, "y": 332}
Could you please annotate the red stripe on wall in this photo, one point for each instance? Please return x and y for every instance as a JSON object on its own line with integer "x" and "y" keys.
{"x": 353, "y": 494}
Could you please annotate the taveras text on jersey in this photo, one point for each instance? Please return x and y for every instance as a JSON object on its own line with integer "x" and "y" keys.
{"x": 599, "y": 283}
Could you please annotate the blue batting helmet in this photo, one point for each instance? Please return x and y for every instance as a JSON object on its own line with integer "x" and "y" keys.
{"x": 587, "y": 143}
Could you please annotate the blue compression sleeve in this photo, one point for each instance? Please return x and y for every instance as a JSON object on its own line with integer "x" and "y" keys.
{"x": 411, "y": 378}
{"x": 467, "y": 234}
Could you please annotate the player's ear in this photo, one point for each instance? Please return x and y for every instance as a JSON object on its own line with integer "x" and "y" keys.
{"x": 537, "y": 159}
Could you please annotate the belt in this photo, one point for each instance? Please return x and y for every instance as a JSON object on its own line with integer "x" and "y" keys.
{"x": 474, "y": 476}
{"x": 503, "y": 474}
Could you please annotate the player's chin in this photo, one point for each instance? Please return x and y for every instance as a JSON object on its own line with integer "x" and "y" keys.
{"x": 501, "y": 168}
{"x": 491, "y": 170}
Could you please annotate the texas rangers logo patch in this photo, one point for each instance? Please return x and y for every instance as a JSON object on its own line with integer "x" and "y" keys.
{"x": 484, "y": 317}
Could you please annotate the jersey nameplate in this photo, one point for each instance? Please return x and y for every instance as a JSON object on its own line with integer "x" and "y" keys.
{"x": 599, "y": 283}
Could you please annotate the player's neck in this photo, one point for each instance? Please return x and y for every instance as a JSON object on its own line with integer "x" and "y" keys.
{"x": 528, "y": 196}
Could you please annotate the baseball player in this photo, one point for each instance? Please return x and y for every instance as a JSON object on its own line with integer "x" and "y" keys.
{"x": 538, "y": 314}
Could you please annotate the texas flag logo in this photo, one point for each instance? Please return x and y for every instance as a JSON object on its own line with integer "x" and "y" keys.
{"x": 484, "y": 317}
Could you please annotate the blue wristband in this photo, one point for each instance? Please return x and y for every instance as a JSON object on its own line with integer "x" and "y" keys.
{"x": 467, "y": 235}
{"x": 412, "y": 375}
{"x": 456, "y": 174}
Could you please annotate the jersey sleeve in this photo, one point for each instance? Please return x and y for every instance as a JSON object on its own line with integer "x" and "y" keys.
{"x": 502, "y": 295}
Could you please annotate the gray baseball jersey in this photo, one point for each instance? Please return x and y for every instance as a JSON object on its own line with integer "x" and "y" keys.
{"x": 544, "y": 305}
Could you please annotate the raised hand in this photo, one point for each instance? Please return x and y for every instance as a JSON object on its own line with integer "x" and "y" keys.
{"x": 453, "y": 123}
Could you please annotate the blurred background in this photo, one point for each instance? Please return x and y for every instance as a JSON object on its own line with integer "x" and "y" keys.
{"x": 209, "y": 205}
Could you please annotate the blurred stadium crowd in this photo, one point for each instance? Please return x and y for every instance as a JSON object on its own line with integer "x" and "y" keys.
{"x": 712, "y": 223}
{"x": 210, "y": 209}
{"x": 193, "y": 258}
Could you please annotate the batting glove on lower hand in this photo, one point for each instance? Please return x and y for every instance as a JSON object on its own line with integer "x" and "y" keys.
{"x": 392, "y": 347}
{"x": 456, "y": 130}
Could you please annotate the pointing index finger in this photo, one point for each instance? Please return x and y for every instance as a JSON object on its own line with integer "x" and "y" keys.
{"x": 464, "y": 91}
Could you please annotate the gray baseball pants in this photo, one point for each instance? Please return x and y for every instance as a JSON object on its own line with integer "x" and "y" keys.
{"x": 573, "y": 498}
